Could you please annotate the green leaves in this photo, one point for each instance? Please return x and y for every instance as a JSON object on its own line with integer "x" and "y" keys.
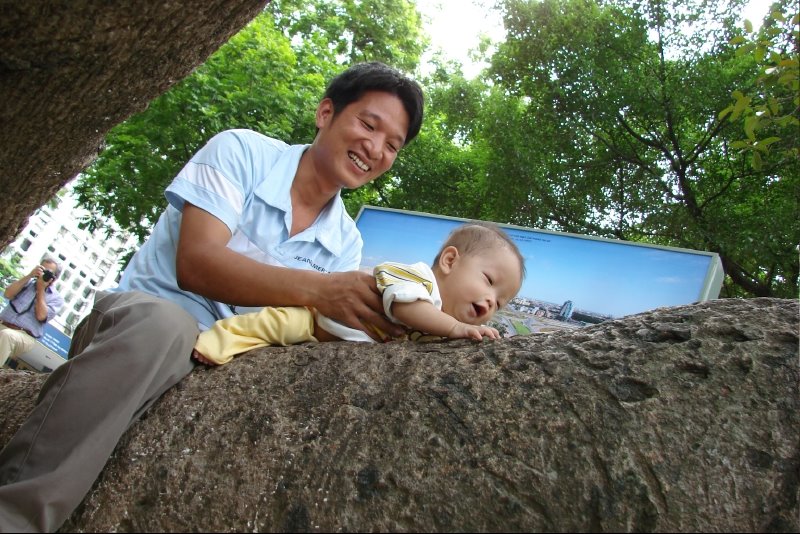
{"x": 741, "y": 103}
{"x": 618, "y": 132}
{"x": 771, "y": 108}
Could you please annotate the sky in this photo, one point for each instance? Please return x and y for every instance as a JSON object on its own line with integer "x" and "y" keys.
{"x": 455, "y": 26}
{"x": 597, "y": 275}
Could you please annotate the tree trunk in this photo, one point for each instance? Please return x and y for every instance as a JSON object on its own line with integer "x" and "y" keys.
{"x": 69, "y": 71}
{"x": 681, "y": 419}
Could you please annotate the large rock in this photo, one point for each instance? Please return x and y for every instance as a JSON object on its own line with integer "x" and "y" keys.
{"x": 681, "y": 419}
{"x": 72, "y": 69}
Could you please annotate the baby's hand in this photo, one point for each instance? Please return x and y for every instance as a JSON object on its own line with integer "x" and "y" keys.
{"x": 471, "y": 331}
{"x": 202, "y": 359}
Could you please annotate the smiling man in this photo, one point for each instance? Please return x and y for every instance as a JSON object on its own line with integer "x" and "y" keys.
{"x": 251, "y": 222}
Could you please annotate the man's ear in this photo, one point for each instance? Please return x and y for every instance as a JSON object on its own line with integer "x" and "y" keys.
{"x": 448, "y": 258}
{"x": 324, "y": 112}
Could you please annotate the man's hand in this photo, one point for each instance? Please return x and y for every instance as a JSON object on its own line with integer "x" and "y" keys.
{"x": 353, "y": 299}
{"x": 41, "y": 285}
{"x": 36, "y": 272}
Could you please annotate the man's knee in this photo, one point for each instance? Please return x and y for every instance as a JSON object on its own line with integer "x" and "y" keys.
{"x": 147, "y": 326}
{"x": 165, "y": 318}
{"x": 146, "y": 312}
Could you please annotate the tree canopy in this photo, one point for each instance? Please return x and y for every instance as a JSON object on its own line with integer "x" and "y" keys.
{"x": 621, "y": 119}
{"x": 621, "y": 102}
{"x": 269, "y": 77}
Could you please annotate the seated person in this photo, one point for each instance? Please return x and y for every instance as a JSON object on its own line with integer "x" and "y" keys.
{"x": 477, "y": 271}
{"x": 32, "y": 302}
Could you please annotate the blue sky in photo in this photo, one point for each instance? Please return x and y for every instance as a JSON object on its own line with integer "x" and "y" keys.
{"x": 601, "y": 276}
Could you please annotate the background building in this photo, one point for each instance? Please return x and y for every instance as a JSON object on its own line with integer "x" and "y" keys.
{"x": 89, "y": 261}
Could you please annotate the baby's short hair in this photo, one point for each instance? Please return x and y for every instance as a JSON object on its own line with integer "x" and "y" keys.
{"x": 477, "y": 236}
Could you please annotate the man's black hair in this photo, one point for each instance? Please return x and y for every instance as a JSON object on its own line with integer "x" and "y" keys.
{"x": 350, "y": 85}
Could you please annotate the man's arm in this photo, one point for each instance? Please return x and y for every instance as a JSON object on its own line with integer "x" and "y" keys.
{"x": 206, "y": 266}
{"x": 423, "y": 316}
{"x": 40, "y": 302}
{"x": 14, "y": 288}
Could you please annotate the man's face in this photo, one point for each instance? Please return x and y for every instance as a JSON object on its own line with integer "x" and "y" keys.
{"x": 361, "y": 142}
{"x": 473, "y": 287}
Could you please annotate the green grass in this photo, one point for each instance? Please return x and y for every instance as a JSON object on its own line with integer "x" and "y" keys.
{"x": 521, "y": 329}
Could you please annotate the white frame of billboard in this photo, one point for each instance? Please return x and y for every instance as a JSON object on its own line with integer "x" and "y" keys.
{"x": 711, "y": 286}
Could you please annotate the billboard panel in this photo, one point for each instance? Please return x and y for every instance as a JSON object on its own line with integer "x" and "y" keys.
{"x": 572, "y": 280}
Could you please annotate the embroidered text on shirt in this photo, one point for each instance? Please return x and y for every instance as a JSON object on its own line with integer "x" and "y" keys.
{"x": 312, "y": 264}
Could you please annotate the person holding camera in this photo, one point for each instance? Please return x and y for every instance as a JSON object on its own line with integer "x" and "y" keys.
{"x": 32, "y": 301}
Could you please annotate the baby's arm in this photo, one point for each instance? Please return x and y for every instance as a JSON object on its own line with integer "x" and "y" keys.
{"x": 425, "y": 317}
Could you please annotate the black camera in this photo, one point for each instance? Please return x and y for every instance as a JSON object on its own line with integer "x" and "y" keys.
{"x": 47, "y": 275}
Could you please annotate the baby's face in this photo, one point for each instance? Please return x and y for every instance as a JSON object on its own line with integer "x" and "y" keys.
{"x": 475, "y": 286}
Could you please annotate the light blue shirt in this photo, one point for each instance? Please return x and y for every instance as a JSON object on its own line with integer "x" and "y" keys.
{"x": 243, "y": 178}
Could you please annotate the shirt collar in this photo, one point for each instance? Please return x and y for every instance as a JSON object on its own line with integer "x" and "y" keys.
{"x": 275, "y": 187}
{"x": 328, "y": 226}
{"x": 275, "y": 190}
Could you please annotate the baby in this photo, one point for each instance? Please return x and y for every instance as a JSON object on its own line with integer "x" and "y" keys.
{"x": 477, "y": 271}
